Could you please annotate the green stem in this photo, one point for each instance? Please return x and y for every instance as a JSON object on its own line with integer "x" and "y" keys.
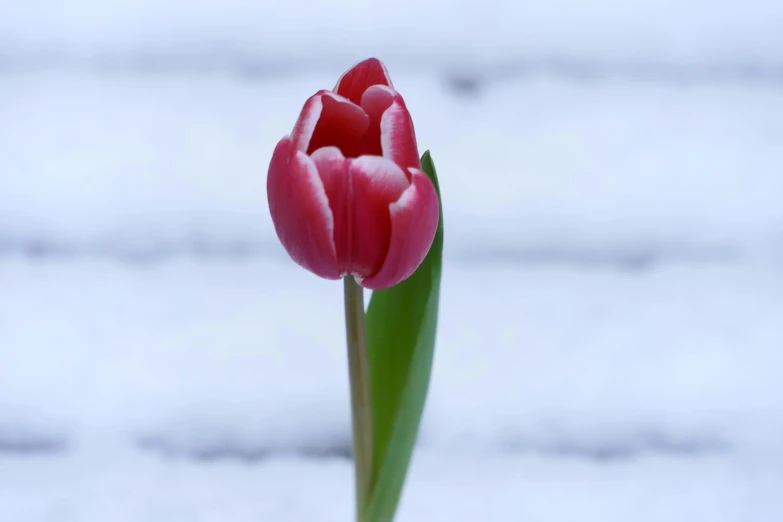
{"x": 361, "y": 407}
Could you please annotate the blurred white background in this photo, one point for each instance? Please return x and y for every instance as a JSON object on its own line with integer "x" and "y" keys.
{"x": 611, "y": 335}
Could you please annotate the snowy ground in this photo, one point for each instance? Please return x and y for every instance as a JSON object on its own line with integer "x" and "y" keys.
{"x": 189, "y": 390}
{"x": 544, "y": 167}
{"x": 442, "y": 487}
{"x": 612, "y": 312}
{"x": 710, "y": 36}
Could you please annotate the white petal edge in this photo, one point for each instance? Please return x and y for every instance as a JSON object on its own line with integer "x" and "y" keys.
{"x": 317, "y": 183}
{"x": 391, "y": 113}
{"x": 383, "y": 67}
{"x": 311, "y": 119}
{"x": 380, "y": 170}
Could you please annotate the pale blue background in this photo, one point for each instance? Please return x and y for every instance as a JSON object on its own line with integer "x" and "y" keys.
{"x": 611, "y": 342}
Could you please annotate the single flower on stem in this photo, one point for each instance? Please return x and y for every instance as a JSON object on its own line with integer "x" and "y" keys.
{"x": 349, "y": 199}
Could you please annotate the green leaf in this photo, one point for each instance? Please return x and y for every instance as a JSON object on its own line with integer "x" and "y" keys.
{"x": 401, "y": 326}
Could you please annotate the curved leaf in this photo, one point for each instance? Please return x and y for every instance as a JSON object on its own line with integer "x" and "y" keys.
{"x": 401, "y": 327}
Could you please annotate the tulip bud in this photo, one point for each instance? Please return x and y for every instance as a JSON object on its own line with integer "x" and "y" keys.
{"x": 346, "y": 191}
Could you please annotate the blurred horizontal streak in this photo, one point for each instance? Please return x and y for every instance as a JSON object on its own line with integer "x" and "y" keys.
{"x": 127, "y": 254}
{"x": 624, "y": 258}
{"x": 216, "y": 451}
{"x": 251, "y": 67}
{"x": 630, "y": 447}
{"x": 28, "y": 445}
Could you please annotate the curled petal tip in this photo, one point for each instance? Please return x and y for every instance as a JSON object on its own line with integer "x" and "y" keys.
{"x": 414, "y": 221}
{"x": 361, "y": 77}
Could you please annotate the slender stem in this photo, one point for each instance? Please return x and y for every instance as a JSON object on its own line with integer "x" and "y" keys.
{"x": 361, "y": 407}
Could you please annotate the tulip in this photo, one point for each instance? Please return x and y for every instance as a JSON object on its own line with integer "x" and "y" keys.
{"x": 349, "y": 199}
{"x": 346, "y": 191}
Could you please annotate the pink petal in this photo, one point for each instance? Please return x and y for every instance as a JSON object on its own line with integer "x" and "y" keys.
{"x": 333, "y": 169}
{"x": 391, "y": 127}
{"x": 305, "y": 124}
{"x": 300, "y": 210}
{"x": 360, "y": 77}
{"x": 375, "y": 183}
{"x": 329, "y": 120}
{"x": 414, "y": 220}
